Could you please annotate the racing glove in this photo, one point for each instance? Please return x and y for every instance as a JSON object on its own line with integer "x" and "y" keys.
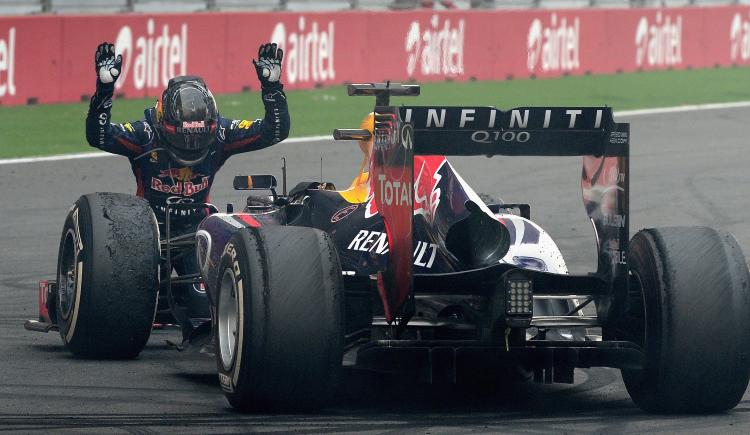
{"x": 268, "y": 66}
{"x": 107, "y": 66}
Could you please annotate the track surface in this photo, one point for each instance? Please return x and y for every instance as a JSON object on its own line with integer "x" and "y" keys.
{"x": 686, "y": 169}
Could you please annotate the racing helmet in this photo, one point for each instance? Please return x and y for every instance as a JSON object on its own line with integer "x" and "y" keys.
{"x": 187, "y": 119}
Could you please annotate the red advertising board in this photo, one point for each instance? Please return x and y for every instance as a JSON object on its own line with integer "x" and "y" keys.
{"x": 49, "y": 58}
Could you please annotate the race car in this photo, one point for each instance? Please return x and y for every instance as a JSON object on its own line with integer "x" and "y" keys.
{"x": 409, "y": 271}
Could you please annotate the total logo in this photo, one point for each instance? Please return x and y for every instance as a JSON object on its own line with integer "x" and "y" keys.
{"x": 394, "y": 193}
{"x": 659, "y": 43}
{"x": 437, "y": 49}
{"x": 7, "y": 63}
{"x": 555, "y": 46}
{"x": 153, "y": 58}
{"x": 739, "y": 38}
{"x": 308, "y": 51}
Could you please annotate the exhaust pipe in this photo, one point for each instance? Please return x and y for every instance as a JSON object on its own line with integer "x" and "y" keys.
{"x": 478, "y": 240}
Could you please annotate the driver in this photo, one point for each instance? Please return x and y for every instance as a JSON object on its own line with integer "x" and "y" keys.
{"x": 178, "y": 147}
{"x": 181, "y": 143}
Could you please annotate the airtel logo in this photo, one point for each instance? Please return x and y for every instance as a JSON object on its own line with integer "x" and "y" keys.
{"x": 739, "y": 38}
{"x": 154, "y": 58}
{"x": 308, "y": 54}
{"x": 660, "y": 43}
{"x": 436, "y": 50}
{"x": 555, "y": 47}
{"x": 7, "y": 63}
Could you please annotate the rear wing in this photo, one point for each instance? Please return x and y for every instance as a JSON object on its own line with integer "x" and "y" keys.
{"x": 523, "y": 131}
{"x": 402, "y": 132}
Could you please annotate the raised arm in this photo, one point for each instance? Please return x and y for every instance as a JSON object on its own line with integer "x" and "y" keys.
{"x": 124, "y": 139}
{"x": 240, "y": 136}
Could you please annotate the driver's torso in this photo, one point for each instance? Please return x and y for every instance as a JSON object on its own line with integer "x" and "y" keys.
{"x": 159, "y": 178}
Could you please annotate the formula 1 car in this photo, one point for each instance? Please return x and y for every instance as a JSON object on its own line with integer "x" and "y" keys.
{"x": 410, "y": 271}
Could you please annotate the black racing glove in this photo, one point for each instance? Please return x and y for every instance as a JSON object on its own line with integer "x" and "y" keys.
{"x": 268, "y": 65}
{"x": 107, "y": 66}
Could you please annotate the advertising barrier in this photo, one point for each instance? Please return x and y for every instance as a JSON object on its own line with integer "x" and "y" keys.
{"x": 47, "y": 59}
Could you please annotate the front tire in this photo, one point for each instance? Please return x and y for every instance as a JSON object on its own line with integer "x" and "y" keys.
{"x": 689, "y": 288}
{"x": 279, "y": 331}
{"x": 107, "y": 276}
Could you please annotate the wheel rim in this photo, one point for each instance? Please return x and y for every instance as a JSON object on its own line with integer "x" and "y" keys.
{"x": 66, "y": 288}
{"x": 228, "y": 315}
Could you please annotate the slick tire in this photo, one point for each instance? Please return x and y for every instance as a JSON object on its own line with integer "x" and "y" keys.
{"x": 279, "y": 331}
{"x": 107, "y": 274}
{"x": 690, "y": 309}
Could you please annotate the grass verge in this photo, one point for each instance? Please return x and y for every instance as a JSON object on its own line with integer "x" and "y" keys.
{"x": 59, "y": 128}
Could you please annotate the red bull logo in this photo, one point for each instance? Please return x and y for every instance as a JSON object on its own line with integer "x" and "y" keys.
{"x": 182, "y": 188}
{"x": 193, "y": 124}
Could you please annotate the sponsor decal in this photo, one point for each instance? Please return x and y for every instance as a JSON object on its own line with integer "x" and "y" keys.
{"x": 659, "y": 43}
{"x": 226, "y": 383}
{"x": 739, "y": 39}
{"x": 554, "y": 46}
{"x": 612, "y": 175}
{"x": 193, "y": 127}
{"x": 369, "y": 241}
{"x": 244, "y": 124}
{"x": 436, "y": 48}
{"x": 424, "y": 254}
{"x": 155, "y": 57}
{"x": 344, "y": 213}
{"x": 394, "y": 192}
{"x": 183, "y": 188}
{"x": 492, "y": 119}
{"x": 128, "y": 126}
{"x": 617, "y": 256}
{"x": 103, "y": 118}
{"x": 308, "y": 51}
{"x": 483, "y": 136}
{"x": 614, "y": 220}
{"x": 377, "y": 242}
{"x": 8, "y": 63}
{"x": 193, "y": 124}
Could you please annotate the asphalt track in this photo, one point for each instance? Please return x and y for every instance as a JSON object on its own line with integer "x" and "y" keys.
{"x": 687, "y": 169}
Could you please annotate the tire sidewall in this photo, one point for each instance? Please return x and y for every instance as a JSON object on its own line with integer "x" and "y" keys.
{"x": 234, "y": 261}
{"x": 78, "y": 222}
{"x": 645, "y": 273}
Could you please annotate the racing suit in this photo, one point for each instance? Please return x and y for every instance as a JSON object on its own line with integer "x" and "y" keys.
{"x": 158, "y": 177}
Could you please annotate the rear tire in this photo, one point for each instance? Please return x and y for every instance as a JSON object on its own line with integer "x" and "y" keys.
{"x": 695, "y": 320}
{"x": 279, "y": 330}
{"x": 107, "y": 276}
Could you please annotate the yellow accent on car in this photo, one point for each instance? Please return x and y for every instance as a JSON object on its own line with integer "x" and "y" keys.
{"x": 359, "y": 190}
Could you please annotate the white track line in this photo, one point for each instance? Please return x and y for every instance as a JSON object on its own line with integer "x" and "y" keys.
{"x": 686, "y": 108}
{"x": 74, "y": 156}
{"x": 622, "y": 113}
